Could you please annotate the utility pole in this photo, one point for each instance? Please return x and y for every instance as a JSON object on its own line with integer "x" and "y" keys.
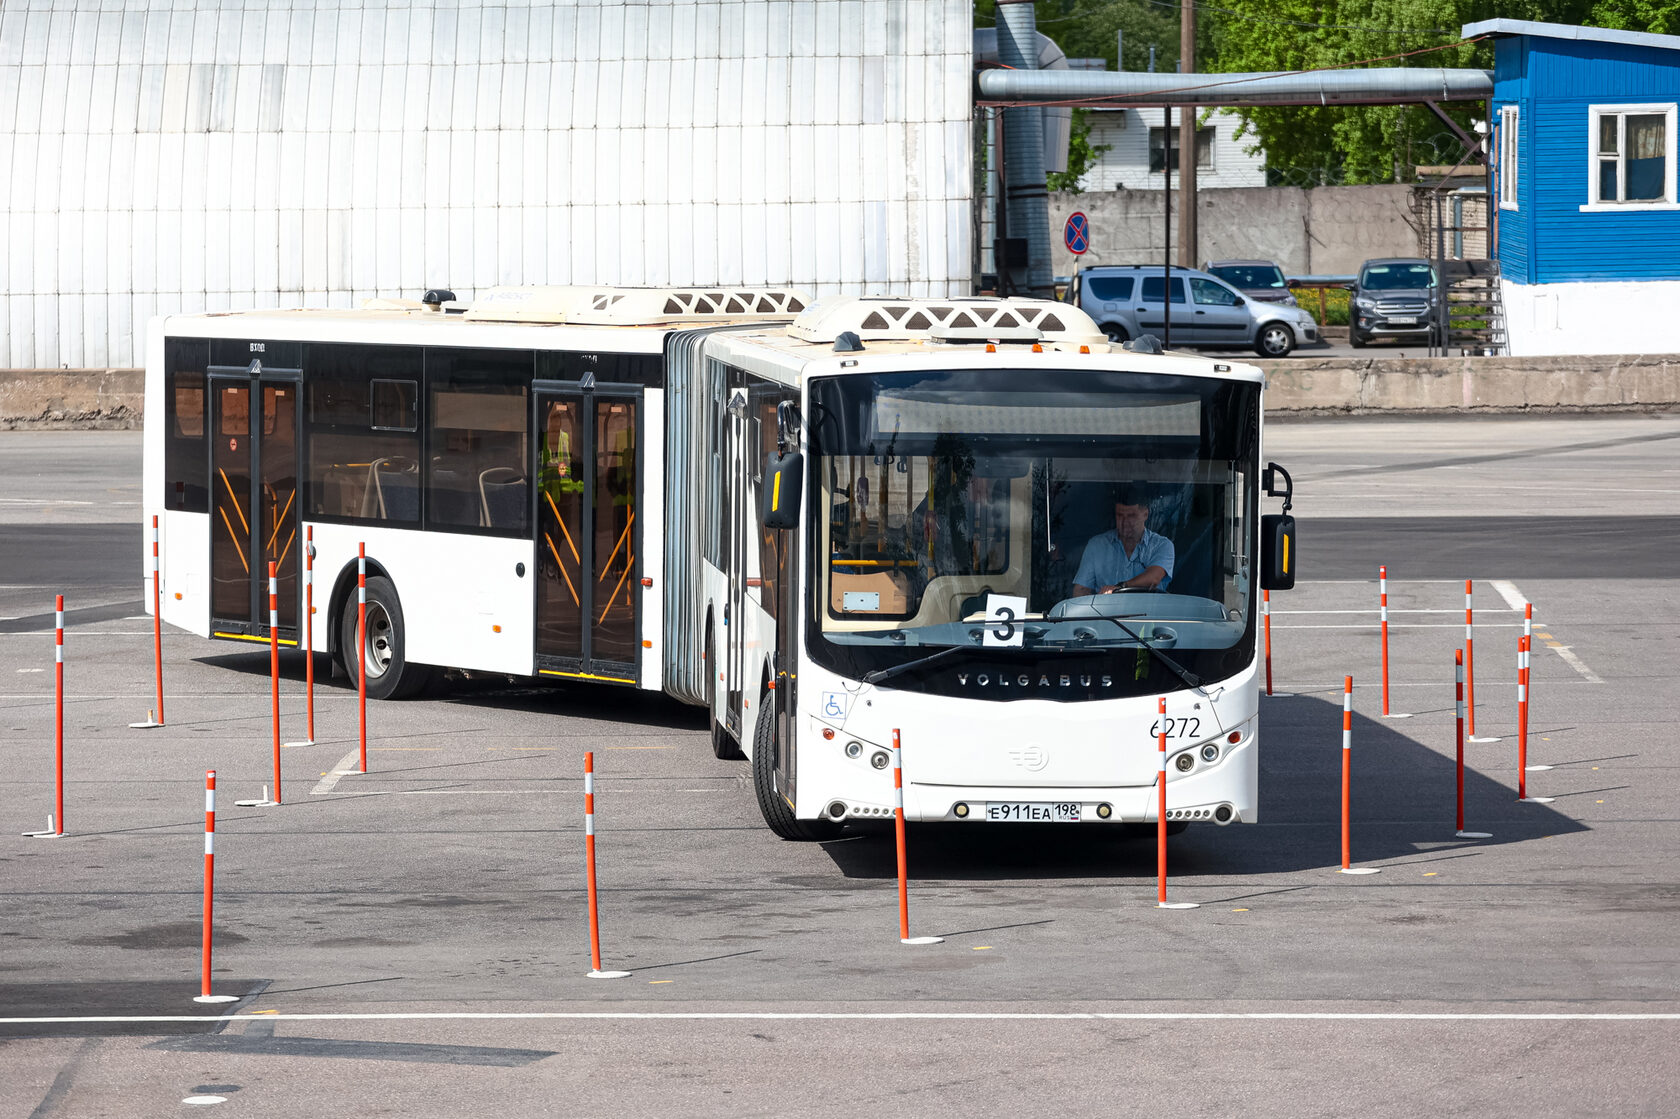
{"x": 1187, "y": 243}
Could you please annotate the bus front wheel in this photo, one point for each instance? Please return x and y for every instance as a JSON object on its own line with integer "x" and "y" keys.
{"x": 389, "y": 674}
{"x": 778, "y": 813}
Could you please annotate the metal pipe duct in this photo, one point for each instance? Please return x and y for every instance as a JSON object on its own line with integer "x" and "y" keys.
{"x": 1386, "y": 86}
{"x": 1025, "y": 196}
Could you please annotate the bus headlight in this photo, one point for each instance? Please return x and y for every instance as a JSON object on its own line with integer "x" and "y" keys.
{"x": 854, "y": 749}
{"x": 1185, "y": 762}
{"x": 1210, "y": 752}
{"x": 879, "y": 759}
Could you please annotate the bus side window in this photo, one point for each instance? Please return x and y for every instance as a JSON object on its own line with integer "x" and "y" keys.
{"x": 364, "y": 449}
{"x": 477, "y": 419}
{"x": 186, "y": 452}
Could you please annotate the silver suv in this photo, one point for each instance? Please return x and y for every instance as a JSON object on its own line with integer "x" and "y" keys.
{"x": 1393, "y": 297}
{"x": 1125, "y": 300}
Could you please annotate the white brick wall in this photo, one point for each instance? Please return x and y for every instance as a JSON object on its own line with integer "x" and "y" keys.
{"x": 1126, "y": 163}
{"x": 167, "y": 156}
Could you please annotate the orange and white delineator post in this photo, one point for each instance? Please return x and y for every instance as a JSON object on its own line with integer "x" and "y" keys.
{"x": 274, "y": 666}
{"x": 1469, "y": 660}
{"x": 1382, "y": 590}
{"x": 361, "y": 653}
{"x": 1458, "y": 709}
{"x": 154, "y": 718}
{"x": 204, "y": 994}
{"x": 1161, "y": 901}
{"x": 589, "y": 860}
{"x": 1266, "y": 622}
{"x": 1347, "y": 866}
{"x": 1522, "y": 718}
{"x": 55, "y": 821}
{"x": 904, "y": 936}
{"x": 1525, "y": 700}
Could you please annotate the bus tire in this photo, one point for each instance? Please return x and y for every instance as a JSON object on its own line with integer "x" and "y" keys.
{"x": 389, "y": 673}
{"x": 724, "y": 746}
{"x": 777, "y": 812}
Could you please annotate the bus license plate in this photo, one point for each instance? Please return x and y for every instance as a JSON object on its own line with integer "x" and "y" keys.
{"x": 1033, "y": 813}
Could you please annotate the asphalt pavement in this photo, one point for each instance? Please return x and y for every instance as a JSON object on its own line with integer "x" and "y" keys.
{"x": 414, "y": 940}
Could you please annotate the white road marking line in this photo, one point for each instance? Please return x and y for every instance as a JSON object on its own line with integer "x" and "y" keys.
{"x": 325, "y": 784}
{"x": 883, "y": 1016}
{"x": 1395, "y": 610}
{"x": 1376, "y": 624}
{"x": 1508, "y": 591}
{"x": 1575, "y": 662}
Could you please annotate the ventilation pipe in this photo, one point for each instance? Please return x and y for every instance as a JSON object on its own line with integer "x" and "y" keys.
{"x": 1026, "y": 199}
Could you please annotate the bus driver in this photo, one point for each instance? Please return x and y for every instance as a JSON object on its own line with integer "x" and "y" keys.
{"x": 1129, "y": 556}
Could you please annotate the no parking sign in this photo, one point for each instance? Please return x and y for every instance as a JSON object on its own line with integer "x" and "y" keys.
{"x": 1076, "y": 234}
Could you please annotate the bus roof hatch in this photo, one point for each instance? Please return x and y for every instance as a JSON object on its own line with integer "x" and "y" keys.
{"x": 970, "y": 319}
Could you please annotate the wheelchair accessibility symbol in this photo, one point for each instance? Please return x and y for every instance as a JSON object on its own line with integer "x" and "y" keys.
{"x": 834, "y": 705}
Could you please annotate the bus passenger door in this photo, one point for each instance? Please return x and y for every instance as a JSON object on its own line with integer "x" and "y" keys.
{"x": 735, "y": 560}
{"x": 588, "y": 566}
{"x": 254, "y": 516}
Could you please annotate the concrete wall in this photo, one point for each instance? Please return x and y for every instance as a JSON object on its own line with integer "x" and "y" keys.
{"x": 112, "y": 398}
{"x": 1354, "y": 386}
{"x": 95, "y": 399}
{"x": 1328, "y": 230}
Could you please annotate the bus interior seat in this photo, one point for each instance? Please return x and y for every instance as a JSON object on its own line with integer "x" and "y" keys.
{"x": 393, "y": 490}
{"x": 502, "y": 494}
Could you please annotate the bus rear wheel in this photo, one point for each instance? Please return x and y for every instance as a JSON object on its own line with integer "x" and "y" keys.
{"x": 777, "y": 812}
{"x": 389, "y": 674}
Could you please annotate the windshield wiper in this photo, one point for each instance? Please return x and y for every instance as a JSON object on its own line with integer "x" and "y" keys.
{"x": 1191, "y": 680}
{"x": 888, "y": 673}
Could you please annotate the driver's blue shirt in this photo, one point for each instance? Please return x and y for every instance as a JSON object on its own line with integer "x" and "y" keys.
{"x": 1106, "y": 564}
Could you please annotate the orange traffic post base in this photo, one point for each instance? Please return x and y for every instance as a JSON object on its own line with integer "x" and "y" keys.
{"x": 904, "y": 936}
{"x": 204, "y": 994}
{"x": 1347, "y": 866}
{"x": 1161, "y": 901}
{"x": 595, "y": 971}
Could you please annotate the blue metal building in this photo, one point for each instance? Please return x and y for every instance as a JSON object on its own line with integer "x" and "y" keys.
{"x": 1587, "y": 221}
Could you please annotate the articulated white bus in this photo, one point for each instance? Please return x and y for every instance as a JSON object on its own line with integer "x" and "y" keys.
{"x": 825, "y": 523}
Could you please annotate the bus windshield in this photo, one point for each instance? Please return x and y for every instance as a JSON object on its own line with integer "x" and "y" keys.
{"x": 941, "y": 499}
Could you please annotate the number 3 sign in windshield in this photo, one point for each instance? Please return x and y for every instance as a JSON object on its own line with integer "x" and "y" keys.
{"x": 1003, "y": 625}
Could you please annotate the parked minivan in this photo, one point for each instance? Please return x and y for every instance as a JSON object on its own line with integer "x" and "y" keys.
{"x": 1126, "y": 301}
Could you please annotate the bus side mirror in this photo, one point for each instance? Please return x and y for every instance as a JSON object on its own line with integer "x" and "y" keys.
{"x": 784, "y": 479}
{"x": 1277, "y": 552}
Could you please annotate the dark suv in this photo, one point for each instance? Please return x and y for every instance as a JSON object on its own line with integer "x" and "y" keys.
{"x": 1392, "y": 298}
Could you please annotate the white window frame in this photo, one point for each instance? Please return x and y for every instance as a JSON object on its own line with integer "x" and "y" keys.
{"x": 1510, "y": 141}
{"x": 1594, "y": 204}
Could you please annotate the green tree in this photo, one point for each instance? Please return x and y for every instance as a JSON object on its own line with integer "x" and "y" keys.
{"x": 1362, "y": 143}
{"x": 1661, "y": 17}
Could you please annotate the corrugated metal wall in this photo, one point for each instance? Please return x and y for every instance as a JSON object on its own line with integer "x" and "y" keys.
{"x": 161, "y": 158}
